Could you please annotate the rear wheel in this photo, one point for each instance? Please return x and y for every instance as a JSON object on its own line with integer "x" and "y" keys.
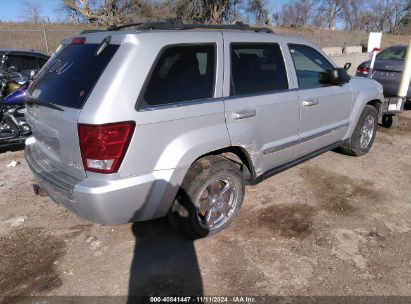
{"x": 209, "y": 198}
{"x": 364, "y": 133}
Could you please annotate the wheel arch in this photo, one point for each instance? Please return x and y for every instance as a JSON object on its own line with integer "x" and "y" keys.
{"x": 359, "y": 108}
{"x": 238, "y": 155}
{"x": 377, "y": 104}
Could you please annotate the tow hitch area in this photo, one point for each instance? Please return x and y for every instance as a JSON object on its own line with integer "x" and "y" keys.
{"x": 39, "y": 191}
{"x": 391, "y": 107}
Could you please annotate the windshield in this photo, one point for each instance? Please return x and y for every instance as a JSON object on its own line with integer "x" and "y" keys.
{"x": 71, "y": 74}
{"x": 393, "y": 53}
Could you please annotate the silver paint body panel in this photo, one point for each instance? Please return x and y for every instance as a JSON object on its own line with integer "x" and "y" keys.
{"x": 273, "y": 128}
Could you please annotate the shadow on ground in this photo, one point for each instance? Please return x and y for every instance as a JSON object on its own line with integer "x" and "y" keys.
{"x": 164, "y": 263}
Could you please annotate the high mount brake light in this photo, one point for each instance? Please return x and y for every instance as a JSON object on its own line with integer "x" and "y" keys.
{"x": 103, "y": 146}
{"x": 78, "y": 40}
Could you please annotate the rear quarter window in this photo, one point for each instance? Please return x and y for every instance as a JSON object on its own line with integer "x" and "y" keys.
{"x": 69, "y": 76}
{"x": 182, "y": 73}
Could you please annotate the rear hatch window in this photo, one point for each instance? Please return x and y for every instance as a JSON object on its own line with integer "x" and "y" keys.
{"x": 393, "y": 53}
{"x": 71, "y": 74}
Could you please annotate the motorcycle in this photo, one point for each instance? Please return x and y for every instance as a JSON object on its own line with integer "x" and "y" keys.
{"x": 13, "y": 91}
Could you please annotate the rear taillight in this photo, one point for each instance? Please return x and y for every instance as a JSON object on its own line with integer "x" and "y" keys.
{"x": 103, "y": 146}
{"x": 363, "y": 70}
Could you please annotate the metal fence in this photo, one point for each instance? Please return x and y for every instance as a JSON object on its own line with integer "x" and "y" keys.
{"x": 325, "y": 38}
{"x": 45, "y": 41}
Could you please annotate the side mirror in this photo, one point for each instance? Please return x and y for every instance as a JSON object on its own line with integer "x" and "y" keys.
{"x": 338, "y": 76}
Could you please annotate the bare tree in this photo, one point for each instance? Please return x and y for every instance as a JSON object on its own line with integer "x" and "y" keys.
{"x": 115, "y": 12}
{"x": 32, "y": 10}
{"x": 191, "y": 10}
{"x": 65, "y": 14}
{"x": 257, "y": 9}
{"x": 207, "y": 11}
{"x": 234, "y": 12}
{"x": 94, "y": 11}
{"x": 399, "y": 15}
{"x": 296, "y": 13}
{"x": 353, "y": 13}
{"x": 388, "y": 16}
{"x": 332, "y": 10}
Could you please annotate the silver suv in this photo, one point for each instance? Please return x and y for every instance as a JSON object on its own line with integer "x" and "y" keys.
{"x": 138, "y": 123}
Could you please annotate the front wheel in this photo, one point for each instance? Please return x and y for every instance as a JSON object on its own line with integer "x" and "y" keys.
{"x": 364, "y": 133}
{"x": 209, "y": 198}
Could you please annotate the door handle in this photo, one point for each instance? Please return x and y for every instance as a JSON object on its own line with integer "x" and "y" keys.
{"x": 311, "y": 102}
{"x": 244, "y": 114}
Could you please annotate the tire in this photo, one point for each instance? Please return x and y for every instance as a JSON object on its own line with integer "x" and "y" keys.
{"x": 358, "y": 145}
{"x": 205, "y": 179}
{"x": 389, "y": 121}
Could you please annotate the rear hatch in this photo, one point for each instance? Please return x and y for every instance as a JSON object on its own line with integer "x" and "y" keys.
{"x": 388, "y": 73}
{"x": 388, "y": 68}
{"x": 55, "y": 101}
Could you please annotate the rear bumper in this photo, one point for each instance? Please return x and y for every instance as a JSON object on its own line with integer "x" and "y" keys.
{"x": 107, "y": 200}
{"x": 392, "y": 105}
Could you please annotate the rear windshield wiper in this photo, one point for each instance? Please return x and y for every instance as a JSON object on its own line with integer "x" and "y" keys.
{"x": 30, "y": 102}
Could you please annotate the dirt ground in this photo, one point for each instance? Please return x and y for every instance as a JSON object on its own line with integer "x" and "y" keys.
{"x": 335, "y": 225}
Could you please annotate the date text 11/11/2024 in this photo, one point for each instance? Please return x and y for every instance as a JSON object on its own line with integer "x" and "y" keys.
{"x": 202, "y": 299}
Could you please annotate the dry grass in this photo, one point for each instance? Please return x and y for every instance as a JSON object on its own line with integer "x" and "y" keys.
{"x": 31, "y": 36}
{"x": 326, "y": 38}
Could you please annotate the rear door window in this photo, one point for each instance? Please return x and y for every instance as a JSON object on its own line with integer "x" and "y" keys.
{"x": 181, "y": 74}
{"x": 257, "y": 68}
{"x": 69, "y": 76}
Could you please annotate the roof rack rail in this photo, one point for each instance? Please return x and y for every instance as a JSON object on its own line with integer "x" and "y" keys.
{"x": 91, "y": 31}
{"x": 177, "y": 25}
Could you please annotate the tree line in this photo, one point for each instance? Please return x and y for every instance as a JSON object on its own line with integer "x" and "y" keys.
{"x": 388, "y": 16}
{"x": 115, "y": 12}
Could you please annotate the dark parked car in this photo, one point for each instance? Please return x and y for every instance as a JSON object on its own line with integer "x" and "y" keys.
{"x": 388, "y": 68}
{"x": 24, "y": 60}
